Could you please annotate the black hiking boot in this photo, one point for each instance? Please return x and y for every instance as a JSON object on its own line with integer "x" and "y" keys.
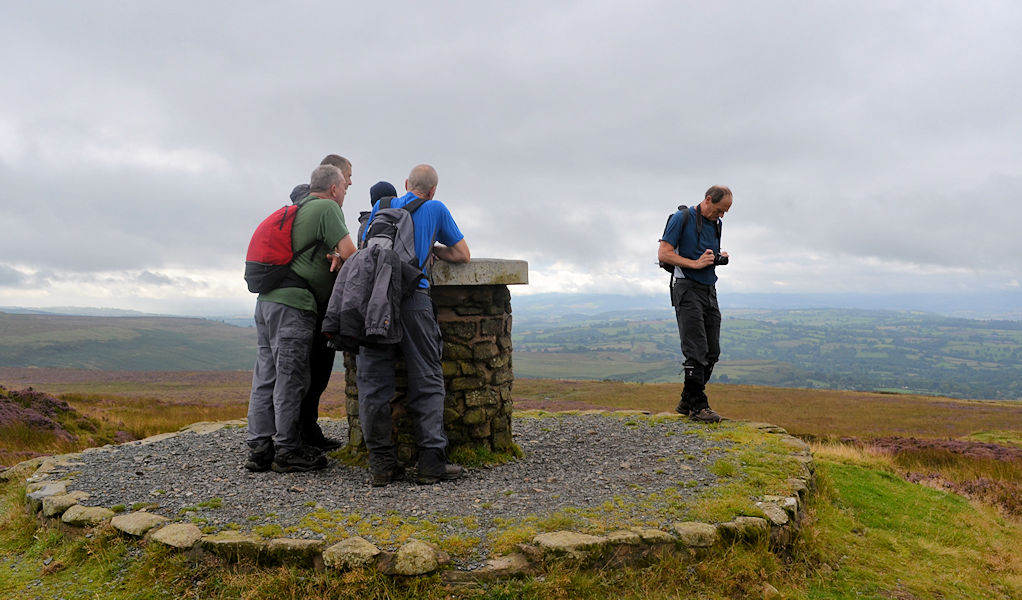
{"x": 387, "y": 476}
{"x": 684, "y": 407}
{"x": 260, "y": 456}
{"x": 450, "y": 472}
{"x": 693, "y": 395}
{"x": 705, "y": 415}
{"x": 301, "y": 459}
{"x": 324, "y": 443}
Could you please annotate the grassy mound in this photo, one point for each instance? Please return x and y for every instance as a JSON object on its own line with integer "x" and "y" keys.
{"x": 35, "y": 424}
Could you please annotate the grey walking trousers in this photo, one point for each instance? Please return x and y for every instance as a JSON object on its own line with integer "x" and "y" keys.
{"x": 421, "y": 345}
{"x": 281, "y": 374}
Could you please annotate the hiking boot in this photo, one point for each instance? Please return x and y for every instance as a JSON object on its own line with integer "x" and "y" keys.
{"x": 683, "y": 408}
{"x": 705, "y": 415}
{"x": 382, "y": 478}
{"x": 451, "y": 472}
{"x": 324, "y": 443}
{"x": 303, "y": 458}
{"x": 260, "y": 456}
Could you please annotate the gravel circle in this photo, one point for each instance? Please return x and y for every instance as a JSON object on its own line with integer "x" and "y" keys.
{"x": 571, "y": 460}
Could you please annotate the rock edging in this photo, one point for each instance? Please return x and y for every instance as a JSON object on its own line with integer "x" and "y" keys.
{"x": 53, "y": 500}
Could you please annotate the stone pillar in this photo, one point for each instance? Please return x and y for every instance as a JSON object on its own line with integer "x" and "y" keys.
{"x": 474, "y": 310}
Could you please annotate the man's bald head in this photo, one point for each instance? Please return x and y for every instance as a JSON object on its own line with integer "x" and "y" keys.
{"x": 422, "y": 181}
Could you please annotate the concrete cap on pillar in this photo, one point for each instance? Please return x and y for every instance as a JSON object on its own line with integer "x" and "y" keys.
{"x": 481, "y": 271}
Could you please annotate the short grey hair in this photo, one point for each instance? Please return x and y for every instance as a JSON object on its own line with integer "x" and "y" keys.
{"x": 325, "y": 176}
{"x": 338, "y": 161}
{"x": 422, "y": 179}
{"x": 718, "y": 193}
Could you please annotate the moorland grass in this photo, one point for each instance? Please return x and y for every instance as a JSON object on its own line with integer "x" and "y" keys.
{"x": 803, "y": 412}
{"x": 1003, "y": 438}
{"x": 956, "y": 467}
{"x": 142, "y": 417}
{"x": 880, "y": 536}
{"x": 20, "y": 441}
{"x": 810, "y": 414}
{"x": 870, "y": 533}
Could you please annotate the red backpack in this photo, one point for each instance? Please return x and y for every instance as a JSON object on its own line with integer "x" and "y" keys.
{"x": 270, "y": 253}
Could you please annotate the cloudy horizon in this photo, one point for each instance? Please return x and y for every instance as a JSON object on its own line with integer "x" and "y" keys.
{"x": 871, "y": 146}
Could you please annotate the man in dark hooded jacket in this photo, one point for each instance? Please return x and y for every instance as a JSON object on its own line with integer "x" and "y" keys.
{"x": 380, "y": 190}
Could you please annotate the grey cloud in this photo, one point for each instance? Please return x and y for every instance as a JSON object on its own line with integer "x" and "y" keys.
{"x": 150, "y": 278}
{"x": 562, "y": 131}
{"x": 962, "y": 227}
{"x": 15, "y": 278}
{"x": 11, "y": 277}
{"x": 160, "y": 279}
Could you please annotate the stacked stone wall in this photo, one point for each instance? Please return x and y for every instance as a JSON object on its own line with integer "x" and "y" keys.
{"x": 475, "y": 321}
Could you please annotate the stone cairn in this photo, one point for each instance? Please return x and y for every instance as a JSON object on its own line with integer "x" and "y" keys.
{"x": 473, "y": 307}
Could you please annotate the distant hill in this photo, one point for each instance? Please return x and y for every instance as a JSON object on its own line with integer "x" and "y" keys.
{"x": 245, "y": 320}
{"x": 979, "y": 304}
{"x": 895, "y": 351}
{"x": 83, "y": 311}
{"x": 124, "y": 343}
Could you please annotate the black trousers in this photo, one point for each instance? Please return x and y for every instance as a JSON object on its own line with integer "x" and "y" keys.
{"x": 321, "y": 366}
{"x": 695, "y": 307}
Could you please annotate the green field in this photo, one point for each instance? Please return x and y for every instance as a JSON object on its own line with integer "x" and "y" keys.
{"x": 829, "y": 349}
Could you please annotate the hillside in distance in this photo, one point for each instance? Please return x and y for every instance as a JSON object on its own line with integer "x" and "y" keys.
{"x": 124, "y": 343}
{"x": 897, "y": 351}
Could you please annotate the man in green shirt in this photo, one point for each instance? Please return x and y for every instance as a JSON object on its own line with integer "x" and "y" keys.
{"x": 321, "y": 358}
{"x": 286, "y": 325}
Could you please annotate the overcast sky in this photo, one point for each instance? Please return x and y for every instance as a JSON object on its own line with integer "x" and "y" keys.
{"x": 871, "y": 146}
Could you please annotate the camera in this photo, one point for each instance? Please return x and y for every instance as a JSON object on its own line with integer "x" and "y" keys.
{"x": 719, "y": 260}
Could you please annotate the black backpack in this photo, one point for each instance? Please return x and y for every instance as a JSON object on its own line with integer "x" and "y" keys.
{"x": 699, "y": 230}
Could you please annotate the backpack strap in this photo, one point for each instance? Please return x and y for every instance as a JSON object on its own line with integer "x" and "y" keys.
{"x": 718, "y": 225}
{"x": 681, "y": 230}
{"x": 411, "y": 207}
{"x": 314, "y": 243}
{"x": 684, "y": 218}
{"x": 414, "y": 205}
{"x": 293, "y": 279}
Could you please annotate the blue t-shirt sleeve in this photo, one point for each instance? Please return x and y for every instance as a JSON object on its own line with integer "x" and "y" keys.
{"x": 448, "y": 233}
{"x": 672, "y": 233}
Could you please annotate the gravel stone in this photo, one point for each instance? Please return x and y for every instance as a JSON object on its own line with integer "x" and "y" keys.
{"x": 571, "y": 460}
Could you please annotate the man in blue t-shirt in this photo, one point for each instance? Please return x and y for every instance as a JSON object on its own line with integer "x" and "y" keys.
{"x": 691, "y": 243}
{"x": 420, "y": 346}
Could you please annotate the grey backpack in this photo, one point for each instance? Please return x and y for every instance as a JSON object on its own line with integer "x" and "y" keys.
{"x": 393, "y": 229}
